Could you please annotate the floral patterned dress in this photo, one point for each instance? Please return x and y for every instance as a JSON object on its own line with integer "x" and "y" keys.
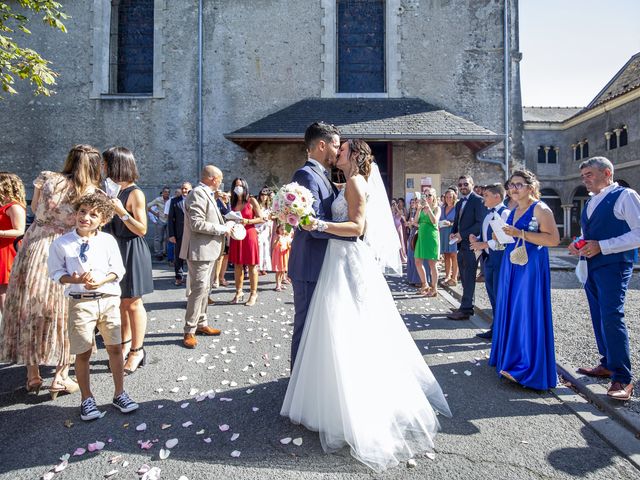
{"x": 34, "y": 330}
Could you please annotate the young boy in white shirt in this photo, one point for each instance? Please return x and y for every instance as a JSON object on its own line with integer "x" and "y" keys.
{"x": 88, "y": 262}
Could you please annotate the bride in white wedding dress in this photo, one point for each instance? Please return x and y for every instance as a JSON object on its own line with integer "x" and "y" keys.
{"x": 359, "y": 379}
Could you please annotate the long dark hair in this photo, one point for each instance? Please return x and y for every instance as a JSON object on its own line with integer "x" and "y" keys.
{"x": 234, "y": 197}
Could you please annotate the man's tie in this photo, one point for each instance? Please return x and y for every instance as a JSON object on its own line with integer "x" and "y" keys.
{"x": 489, "y": 229}
{"x": 463, "y": 201}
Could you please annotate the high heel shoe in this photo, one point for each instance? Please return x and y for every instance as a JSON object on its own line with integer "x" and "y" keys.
{"x": 125, "y": 351}
{"x": 239, "y": 297}
{"x": 66, "y": 385}
{"x": 252, "y": 300}
{"x": 34, "y": 385}
{"x": 141, "y": 363}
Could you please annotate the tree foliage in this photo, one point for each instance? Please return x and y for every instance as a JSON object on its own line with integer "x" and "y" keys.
{"x": 18, "y": 61}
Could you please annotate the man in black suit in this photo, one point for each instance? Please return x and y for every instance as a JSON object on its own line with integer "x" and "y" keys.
{"x": 470, "y": 212}
{"x": 175, "y": 224}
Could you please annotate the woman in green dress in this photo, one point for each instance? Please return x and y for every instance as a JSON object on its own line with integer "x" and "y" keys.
{"x": 427, "y": 247}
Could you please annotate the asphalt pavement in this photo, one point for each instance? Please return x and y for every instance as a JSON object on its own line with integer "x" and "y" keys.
{"x": 221, "y": 402}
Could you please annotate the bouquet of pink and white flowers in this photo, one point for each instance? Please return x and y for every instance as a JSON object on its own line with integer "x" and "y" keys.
{"x": 292, "y": 205}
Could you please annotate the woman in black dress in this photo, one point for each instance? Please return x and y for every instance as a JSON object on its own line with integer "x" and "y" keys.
{"x": 129, "y": 227}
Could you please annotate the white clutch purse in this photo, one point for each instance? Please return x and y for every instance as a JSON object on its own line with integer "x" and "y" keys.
{"x": 238, "y": 232}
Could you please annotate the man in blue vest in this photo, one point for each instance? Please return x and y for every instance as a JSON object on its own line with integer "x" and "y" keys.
{"x": 490, "y": 249}
{"x": 611, "y": 232}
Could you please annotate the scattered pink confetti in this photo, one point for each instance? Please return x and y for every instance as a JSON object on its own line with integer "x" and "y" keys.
{"x": 146, "y": 445}
{"x": 223, "y": 428}
{"x": 79, "y": 451}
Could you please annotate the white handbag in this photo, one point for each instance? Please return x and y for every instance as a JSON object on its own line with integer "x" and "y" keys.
{"x": 519, "y": 255}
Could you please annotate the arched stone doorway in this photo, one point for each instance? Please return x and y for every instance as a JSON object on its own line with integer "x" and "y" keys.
{"x": 580, "y": 197}
{"x": 552, "y": 199}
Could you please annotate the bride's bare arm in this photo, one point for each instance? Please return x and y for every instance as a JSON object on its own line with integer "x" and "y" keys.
{"x": 355, "y": 196}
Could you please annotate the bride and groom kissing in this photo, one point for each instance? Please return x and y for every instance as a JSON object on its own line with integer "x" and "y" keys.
{"x": 357, "y": 376}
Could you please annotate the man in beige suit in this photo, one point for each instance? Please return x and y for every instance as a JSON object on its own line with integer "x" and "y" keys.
{"x": 202, "y": 241}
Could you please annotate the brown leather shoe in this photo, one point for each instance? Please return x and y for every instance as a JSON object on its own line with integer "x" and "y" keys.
{"x": 207, "y": 331}
{"x": 620, "y": 391}
{"x": 190, "y": 340}
{"x": 210, "y": 301}
{"x": 598, "y": 371}
{"x": 458, "y": 316}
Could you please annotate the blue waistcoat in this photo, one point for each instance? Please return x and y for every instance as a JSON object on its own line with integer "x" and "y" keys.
{"x": 603, "y": 225}
{"x": 494, "y": 257}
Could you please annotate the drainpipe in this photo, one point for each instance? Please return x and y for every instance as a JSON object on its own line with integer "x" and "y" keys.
{"x": 504, "y": 163}
{"x": 507, "y": 48}
{"x": 200, "y": 61}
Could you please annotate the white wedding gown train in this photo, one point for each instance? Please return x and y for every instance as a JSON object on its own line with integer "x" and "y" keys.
{"x": 359, "y": 379}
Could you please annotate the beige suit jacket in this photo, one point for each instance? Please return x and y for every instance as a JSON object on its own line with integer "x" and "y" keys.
{"x": 204, "y": 227}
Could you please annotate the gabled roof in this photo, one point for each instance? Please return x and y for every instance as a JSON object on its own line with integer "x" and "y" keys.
{"x": 383, "y": 119}
{"x": 627, "y": 79}
{"x": 548, "y": 114}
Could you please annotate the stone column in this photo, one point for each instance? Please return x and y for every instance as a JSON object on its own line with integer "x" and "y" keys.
{"x": 607, "y": 136}
{"x": 567, "y": 221}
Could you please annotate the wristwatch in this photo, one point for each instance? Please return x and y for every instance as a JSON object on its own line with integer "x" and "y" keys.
{"x": 125, "y": 217}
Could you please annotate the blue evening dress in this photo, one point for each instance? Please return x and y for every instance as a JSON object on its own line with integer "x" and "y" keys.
{"x": 523, "y": 328}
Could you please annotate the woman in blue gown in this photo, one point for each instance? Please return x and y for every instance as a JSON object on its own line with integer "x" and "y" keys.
{"x": 523, "y": 347}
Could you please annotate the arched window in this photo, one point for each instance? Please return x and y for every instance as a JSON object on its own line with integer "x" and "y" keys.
{"x": 623, "y": 136}
{"x": 585, "y": 148}
{"x": 131, "y": 47}
{"x": 613, "y": 141}
{"x": 552, "y": 156}
{"x": 542, "y": 158}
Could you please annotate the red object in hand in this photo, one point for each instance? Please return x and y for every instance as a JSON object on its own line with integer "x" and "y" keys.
{"x": 580, "y": 243}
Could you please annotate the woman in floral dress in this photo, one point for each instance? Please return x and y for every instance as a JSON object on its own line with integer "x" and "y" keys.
{"x": 34, "y": 330}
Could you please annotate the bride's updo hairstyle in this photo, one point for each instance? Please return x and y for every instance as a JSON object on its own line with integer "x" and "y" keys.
{"x": 360, "y": 151}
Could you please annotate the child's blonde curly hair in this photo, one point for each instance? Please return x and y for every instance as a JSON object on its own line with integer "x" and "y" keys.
{"x": 12, "y": 189}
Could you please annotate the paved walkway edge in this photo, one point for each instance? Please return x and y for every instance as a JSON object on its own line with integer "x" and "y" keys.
{"x": 593, "y": 391}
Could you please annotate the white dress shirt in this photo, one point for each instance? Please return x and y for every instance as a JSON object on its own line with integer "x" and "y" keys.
{"x": 485, "y": 226}
{"x": 626, "y": 208}
{"x": 102, "y": 258}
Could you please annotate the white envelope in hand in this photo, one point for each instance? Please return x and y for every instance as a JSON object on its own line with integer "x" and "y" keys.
{"x": 497, "y": 224}
{"x": 111, "y": 188}
{"x": 234, "y": 216}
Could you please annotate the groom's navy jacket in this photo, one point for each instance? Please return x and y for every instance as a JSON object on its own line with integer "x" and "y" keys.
{"x": 308, "y": 248}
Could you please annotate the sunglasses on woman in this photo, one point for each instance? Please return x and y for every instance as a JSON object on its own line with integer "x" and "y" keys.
{"x": 516, "y": 186}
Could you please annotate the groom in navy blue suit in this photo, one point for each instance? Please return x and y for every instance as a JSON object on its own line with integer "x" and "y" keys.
{"x": 308, "y": 247}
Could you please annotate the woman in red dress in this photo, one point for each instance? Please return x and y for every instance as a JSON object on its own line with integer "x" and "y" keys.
{"x": 245, "y": 251}
{"x": 12, "y": 222}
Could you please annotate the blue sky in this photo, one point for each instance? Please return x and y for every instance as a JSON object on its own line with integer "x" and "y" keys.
{"x": 572, "y": 48}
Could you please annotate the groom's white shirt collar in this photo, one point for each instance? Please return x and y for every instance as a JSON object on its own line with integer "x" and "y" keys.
{"x": 317, "y": 163}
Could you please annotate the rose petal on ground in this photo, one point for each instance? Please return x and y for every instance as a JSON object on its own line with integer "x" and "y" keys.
{"x": 152, "y": 474}
{"x": 234, "y": 437}
{"x": 193, "y": 391}
{"x": 68, "y": 423}
{"x": 411, "y": 463}
{"x": 187, "y": 424}
{"x": 164, "y": 453}
{"x": 285, "y": 441}
{"x": 60, "y": 467}
{"x": 125, "y": 464}
{"x": 115, "y": 459}
{"x": 467, "y": 373}
{"x": 79, "y": 451}
{"x": 146, "y": 445}
{"x": 207, "y": 440}
{"x": 175, "y": 390}
{"x": 431, "y": 455}
{"x": 48, "y": 476}
{"x": 249, "y": 391}
{"x": 235, "y": 453}
{"x": 142, "y": 427}
{"x": 164, "y": 426}
{"x": 184, "y": 405}
{"x": 144, "y": 468}
{"x": 224, "y": 427}
{"x": 255, "y": 409}
{"x": 297, "y": 441}
{"x": 110, "y": 473}
{"x": 172, "y": 442}
{"x": 160, "y": 406}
